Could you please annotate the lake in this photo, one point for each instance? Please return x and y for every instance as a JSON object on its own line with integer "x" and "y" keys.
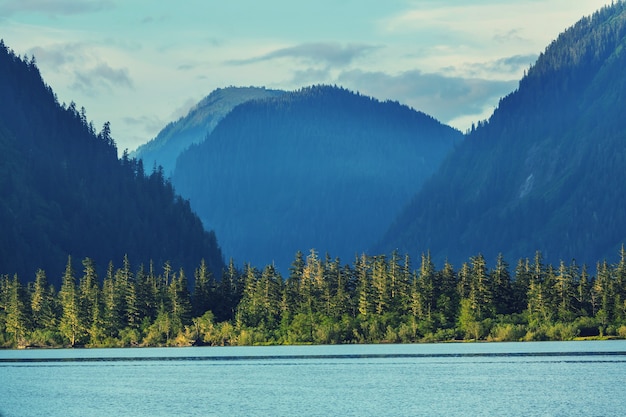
{"x": 447, "y": 379}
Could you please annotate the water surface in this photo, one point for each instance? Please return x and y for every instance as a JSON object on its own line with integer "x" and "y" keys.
{"x": 451, "y": 379}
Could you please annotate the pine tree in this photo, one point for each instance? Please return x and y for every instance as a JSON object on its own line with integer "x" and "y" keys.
{"x": 364, "y": 287}
{"x": 502, "y": 291}
{"x": 111, "y": 301}
{"x": 72, "y": 325}
{"x": 180, "y": 298}
{"x": 42, "y": 303}
{"x": 89, "y": 293}
{"x": 17, "y": 316}
{"x": 564, "y": 291}
{"x": 381, "y": 285}
{"x": 448, "y": 301}
{"x": 203, "y": 290}
{"x": 481, "y": 296}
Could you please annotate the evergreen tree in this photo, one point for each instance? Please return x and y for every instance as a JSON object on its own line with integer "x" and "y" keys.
{"x": 448, "y": 301}
{"x": 481, "y": 295}
{"x": 363, "y": 287}
{"x": 112, "y": 304}
{"x": 203, "y": 290}
{"x": 564, "y": 289}
{"x": 42, "y": 303}
{"x": 502, "y": 291}
{"x": 72, "y": 324}
{"x": 89, "y": 297}
{"x": 180, "y": 298}
{"x": 381, "y": 285}
{"x": 17, "y": 316}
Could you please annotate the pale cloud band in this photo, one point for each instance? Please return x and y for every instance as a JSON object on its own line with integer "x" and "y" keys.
{"x": 54, "y": 7}
{"x": 331, "y": 53}
{"x": 135, "y": 62}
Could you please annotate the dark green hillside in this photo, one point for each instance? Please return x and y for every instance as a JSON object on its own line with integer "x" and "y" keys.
{"x": 63, "y": 190}
{"x": 547, "y": 171}
{"x": 194, "y": 127}
{"x": 318, "y": 168}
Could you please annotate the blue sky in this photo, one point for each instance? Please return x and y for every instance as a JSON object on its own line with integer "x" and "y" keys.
{"x": 142, "y": 64}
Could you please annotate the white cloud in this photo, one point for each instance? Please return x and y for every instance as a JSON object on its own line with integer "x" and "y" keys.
{"x": 331, "y": 53}
{"x": 101, "y": 76}
{"x": 445, "y": 98}
{"x": 54, "y": 8}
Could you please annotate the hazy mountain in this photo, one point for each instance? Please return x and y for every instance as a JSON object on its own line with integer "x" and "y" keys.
{"x": 547, "y": 171}
{"x": 194, "y": 127}
{"x": 65, "y": 192}
{"x": 319, "y": 168}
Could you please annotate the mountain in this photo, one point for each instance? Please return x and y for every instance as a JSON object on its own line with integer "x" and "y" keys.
{"x": 547, "y": 171}
{"x": 194, "y": 127}
{"x": 65, "y": 192}
{"x": 319, "y": 168}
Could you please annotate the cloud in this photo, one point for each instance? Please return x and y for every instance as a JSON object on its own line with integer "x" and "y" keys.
{"x": 54, "y": 8}
{"x": 445, "y": 98}
{"x": 310, "y": 76}
{"x": 101, "y": 76}
{"x": 148, "y": 124}
{"x": 56, "y": 56}
{"x": 502, "y": 68}
{"x": 330, "y": 53}
{"x": 512, "y": 64}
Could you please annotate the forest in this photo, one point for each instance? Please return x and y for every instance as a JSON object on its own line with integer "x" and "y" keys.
{"x": 64, "y": 190}
{"x": 546, "y": 171}
{"x": 307, "y": 169}
{"x": 375, "y": 299}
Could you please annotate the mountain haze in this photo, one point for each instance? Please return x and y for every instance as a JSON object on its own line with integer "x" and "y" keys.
{"x": 65, "y": 192}
{"x": 547, "y": 171}
{"x": 196, "y": 125}
{"x": 319, "y": 168}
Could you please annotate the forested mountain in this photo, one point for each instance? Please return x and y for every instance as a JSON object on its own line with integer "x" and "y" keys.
{"x": 194, "y": 127}
{"x": 320, "y": 168}
{"x": 547, "y": 171}
{"x": 65, "y": 192}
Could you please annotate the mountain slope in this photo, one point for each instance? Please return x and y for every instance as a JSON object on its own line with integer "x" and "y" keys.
{"x": 546, "y": 172}
{"x": 194, "y": 127}
{"x": 318, "y": 168}
{"x": 65, "y": 192}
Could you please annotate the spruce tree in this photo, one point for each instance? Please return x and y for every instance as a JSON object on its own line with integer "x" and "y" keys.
{"x": 72, "y": 325}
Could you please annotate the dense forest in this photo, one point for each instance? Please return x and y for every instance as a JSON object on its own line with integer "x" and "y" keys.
{"x": 546, "y": 171}
{"x": 194, "y": 127}
{"x": 375, "y": 299}
{"x": 321, "y": 167}
{"x": 64, "y": 190}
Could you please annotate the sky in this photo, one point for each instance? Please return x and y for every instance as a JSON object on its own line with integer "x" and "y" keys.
{"x": 141, "y": 64}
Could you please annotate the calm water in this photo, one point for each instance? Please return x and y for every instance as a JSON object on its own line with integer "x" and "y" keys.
{"x": 479, "y": 379}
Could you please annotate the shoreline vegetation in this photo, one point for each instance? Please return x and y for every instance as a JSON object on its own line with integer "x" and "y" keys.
{"x": 375, "y": 299}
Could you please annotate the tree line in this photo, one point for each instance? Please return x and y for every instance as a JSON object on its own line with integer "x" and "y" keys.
{"x": 374, "y": 299}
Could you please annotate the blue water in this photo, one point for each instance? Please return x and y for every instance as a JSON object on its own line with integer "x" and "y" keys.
{"x": 468, "y": 379}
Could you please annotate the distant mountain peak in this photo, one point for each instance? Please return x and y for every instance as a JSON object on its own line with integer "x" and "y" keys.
{"x": 546, "y": 172}
{"x": 196, "y": 125}
{"x": 321, "y": 167}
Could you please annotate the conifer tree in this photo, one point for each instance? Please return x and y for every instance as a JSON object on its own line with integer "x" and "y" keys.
{"x": 17, "y": 316}
{"x": 89, "y": 296}
{"x": 42, "y": 303}
{"x": 502, "y": 291}
{"x": 180, "y": 298}
{"x": 72, "y": 325}
{"x": 363, "y": 286}
{"x": 203, "y": 290}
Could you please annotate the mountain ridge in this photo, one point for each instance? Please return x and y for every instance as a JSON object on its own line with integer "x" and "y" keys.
{"x": 66, "y": 193}
{"x": 302, "y": 159}
{"x": 193, "y": 128}
{"x": 530, "y": 178}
